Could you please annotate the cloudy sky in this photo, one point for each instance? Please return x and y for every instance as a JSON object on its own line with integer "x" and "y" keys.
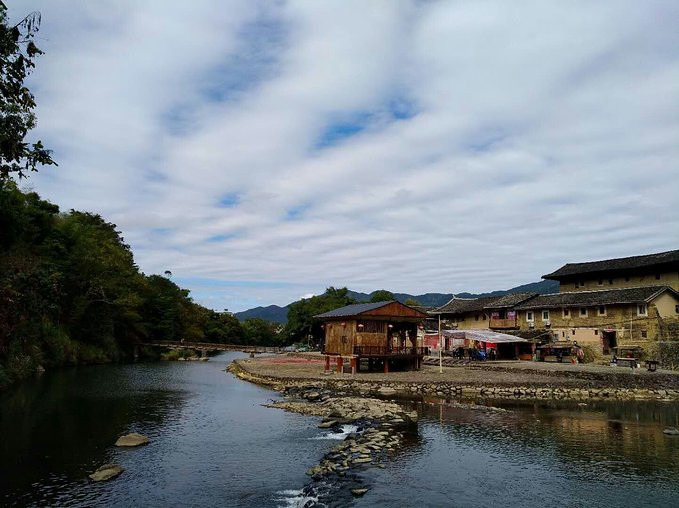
{"x": 262, "y": 151}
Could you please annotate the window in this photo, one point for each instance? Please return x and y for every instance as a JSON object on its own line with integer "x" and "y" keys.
{"x": 566, "y": 313}
{"x": 371, "y": 327}
{"x": 563, "y": 334}
{"x": 582, "y": 283}
{"x": 573, "y": 330}
{"x": 596, "y": 332}
{"x": 583, "y": 311}
{"x": 644, "y": 334}
{"x": 642, "y": 310}
{"x": 610, "y": 282}
{"x": 602, "y": 310}
{"x": 600, "y": 282}
{"x": 529, "y": 316}
{"x": 545, "y": 315}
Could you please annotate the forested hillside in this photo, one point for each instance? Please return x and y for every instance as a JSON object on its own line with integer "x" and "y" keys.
{"x": 71, "y": 293}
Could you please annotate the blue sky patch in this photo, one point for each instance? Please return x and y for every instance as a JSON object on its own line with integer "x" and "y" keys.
{"x": 221, "y": 238}
{"x": 296, "y": 212}
{"x": 229, "y": 200}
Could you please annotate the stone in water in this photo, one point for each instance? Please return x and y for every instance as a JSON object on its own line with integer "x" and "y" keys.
{"x": 106, "y": 472}
{"x": 132, "y": 439}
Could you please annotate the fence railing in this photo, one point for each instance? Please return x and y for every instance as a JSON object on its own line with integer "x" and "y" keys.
{"x": 386, "y": 351}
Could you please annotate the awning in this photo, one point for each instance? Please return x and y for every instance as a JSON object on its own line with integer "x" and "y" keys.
{"x": 483, "y": 336}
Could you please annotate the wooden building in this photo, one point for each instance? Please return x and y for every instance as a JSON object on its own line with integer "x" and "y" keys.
{"x": 383, "y": 334}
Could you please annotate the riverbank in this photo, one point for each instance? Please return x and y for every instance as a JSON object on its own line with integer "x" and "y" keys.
{"x": 500, "y": 380}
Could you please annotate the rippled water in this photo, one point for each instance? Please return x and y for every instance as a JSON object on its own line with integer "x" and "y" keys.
{"x": 213, "y": 444}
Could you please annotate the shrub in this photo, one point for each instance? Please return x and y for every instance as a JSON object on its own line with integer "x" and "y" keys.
{"x": 592, "y": 354}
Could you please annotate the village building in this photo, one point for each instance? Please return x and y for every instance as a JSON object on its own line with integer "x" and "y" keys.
{"x": 485, "y": 317}
{"x": 488, "y": 313}
{"x": 606, "y": 318}
{"x": 661, "y": 269}
{"x": 382, "y": 335}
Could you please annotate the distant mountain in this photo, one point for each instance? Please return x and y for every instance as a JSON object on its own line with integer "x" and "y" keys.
{"x": 279, "y": 314}
{"x": 273, "y": 313}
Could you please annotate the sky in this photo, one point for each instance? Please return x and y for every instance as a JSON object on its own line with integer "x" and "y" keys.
{"x": 262, "y": 151}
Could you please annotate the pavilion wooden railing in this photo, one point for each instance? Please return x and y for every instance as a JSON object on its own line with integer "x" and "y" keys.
{"x": 385, "y": 351}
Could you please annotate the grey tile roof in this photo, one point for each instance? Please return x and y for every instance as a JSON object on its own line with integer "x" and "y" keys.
{"x": 509, "y": 300}
{"x": 594, "y": 298}
{"x": 353, "y": 310}
{"x": 464, "y": 305}
{"x": 618, "y": 264}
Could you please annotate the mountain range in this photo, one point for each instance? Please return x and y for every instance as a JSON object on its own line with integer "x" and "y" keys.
{"x": 278, "y": 314}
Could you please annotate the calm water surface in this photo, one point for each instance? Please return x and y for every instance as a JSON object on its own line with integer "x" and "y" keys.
{"x": 213, "y": 444}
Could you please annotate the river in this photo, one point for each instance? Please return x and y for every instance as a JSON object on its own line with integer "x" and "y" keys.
{"x": 214, "y": 444}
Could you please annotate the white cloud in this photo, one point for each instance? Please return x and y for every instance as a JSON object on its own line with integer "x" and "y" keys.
{"x": 534, "y": 134}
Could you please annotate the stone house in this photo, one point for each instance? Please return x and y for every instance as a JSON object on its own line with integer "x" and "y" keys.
{"x": 488, "y": 313}
{"x": 661, "y": 269}
{"x": 607, "y": 317}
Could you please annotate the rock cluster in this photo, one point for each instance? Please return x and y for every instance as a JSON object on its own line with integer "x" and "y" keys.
{"x": 382, "y": 427}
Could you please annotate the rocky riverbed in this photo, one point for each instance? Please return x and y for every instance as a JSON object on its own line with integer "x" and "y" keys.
{"x": 381, "y": 429}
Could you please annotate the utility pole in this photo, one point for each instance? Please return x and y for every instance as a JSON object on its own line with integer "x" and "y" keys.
{"x": 440, "y": 348}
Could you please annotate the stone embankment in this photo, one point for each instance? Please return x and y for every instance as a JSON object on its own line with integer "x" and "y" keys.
{"x": 590, "y": 387}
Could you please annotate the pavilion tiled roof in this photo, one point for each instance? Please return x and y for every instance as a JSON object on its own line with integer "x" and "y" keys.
{"x": 595, "y": 298}
{"x": 618, "y": 264}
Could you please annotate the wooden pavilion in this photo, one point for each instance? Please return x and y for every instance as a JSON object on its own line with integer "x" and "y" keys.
{"x": 381, "y": 333}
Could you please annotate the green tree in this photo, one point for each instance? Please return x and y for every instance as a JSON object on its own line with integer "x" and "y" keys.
{"x": 225, "y": 328}
{"x": 412, "y": 302}
{"x": 381, "y": 295}
{"x": 260, "y": 332}
{"x": 17, "y": 54}
{"x": 301, "y": 322}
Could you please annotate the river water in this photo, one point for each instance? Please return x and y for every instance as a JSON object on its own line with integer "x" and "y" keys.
{"x": 214, "y": 444}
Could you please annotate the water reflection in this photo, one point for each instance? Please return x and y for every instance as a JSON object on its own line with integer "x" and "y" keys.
{"x": 537, "y": 454}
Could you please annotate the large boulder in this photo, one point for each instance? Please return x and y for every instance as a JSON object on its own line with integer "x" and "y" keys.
{"x": 106, "y": 472}
{"x": 132, "y": 439}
